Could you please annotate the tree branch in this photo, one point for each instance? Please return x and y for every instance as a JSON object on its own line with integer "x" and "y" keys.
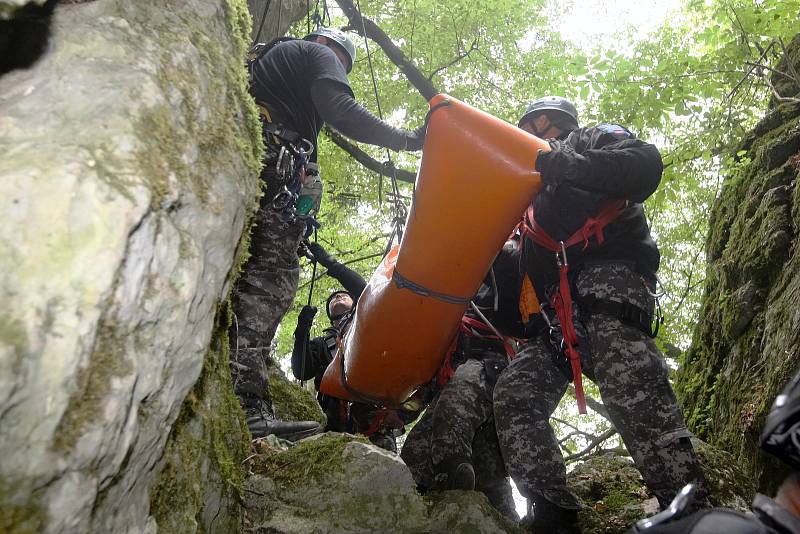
{"x": 594, "y": 443}
{"x": 365, "y": 159}
{"x": 459, "y": 57}
{"x": 369, "y": 29}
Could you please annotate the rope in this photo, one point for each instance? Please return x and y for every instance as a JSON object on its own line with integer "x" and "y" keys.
{"x": 261, "y": 24}
{"x": 399, "y": 211}
{"x": 313, "y": 272}
{"x": 308, "y": 303}
{"x": 280, "y": 9}
{"x": 404, "y": 283}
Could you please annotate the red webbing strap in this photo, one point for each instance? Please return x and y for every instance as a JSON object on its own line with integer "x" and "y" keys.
{"x": 377, "y": 422}
{"x": 562, "y": 302}
{"x": 593, "y": 226}
{"x": 506, "y": 340}
{"x": 446, "y": 371}
{"x": 562, "y": 299}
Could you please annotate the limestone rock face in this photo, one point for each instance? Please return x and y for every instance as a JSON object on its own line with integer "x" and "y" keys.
{"x": 335, "y": 483}
{"x": 616, "y": 497}
{"x": 746, "y": 344}
{"x": 129, "y": 169}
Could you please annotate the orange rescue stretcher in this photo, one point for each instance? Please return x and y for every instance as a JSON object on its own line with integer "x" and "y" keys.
{"x": 476, "y": 177}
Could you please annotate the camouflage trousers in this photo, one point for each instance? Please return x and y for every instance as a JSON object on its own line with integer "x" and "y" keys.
{"x": 633, "y": 379}
{"x": 458, "y": 426}
{"x": 264, "y": 293}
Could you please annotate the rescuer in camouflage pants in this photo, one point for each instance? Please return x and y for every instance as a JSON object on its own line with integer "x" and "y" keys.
{"x": 458, "y": 428}
{"x": 263, "y": 295}
{"x": 632, "y": 376}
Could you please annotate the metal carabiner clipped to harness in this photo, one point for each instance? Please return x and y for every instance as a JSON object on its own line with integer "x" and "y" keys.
{"x": 561, "y": 256}
{"x": 284, "y": 199}
{"x": 284, "y": 163}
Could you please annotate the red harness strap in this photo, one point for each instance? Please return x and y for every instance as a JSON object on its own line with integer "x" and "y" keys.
{"x": 508, "y": 341}
{"x": 446, "y": 370}
{"x": 376, "y": 424}
{"x": 562, "y": 299}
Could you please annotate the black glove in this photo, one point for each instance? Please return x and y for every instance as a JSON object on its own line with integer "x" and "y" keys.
{"x": 320, "y": 254}
{"x": 415, "y": 139}
{"x": 561, "y": 164}
{"x": 303, "y": 252}
{"x": 306, "y": 315}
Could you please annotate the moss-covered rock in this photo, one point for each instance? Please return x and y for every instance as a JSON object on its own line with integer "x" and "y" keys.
{"x": 613, "y": 492}
{"x": 9, "y": 7}
{"x": 334, "y": 483}
{"x": 467, "y": 512}
{"x": 292, "y": 402}
{"x": 200, "y": 484}
{"x": 131, "y": 158}
{"x": 616, "y": 497}
{"x": 746, "y": 342}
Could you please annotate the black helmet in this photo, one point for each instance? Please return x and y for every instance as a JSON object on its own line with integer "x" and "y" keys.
{"x": 553, "y": 103}
{"x": 341, "y": 40}
{"x": 781, "y": 436}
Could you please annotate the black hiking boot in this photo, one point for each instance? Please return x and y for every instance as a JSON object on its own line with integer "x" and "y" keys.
{"x": 262, "y": 422}
{"x": 549, "y": 518}
{"x": 455, "y": 475}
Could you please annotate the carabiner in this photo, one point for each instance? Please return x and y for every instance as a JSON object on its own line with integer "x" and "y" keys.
{"x": 283, "y": 199}
{"x": 561, "y": 256}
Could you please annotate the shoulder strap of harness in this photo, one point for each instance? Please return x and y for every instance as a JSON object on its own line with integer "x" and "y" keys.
{"x": 258, "y": 50}
{"x": 561, "y": 299}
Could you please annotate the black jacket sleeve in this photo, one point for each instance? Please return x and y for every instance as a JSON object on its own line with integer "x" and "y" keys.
{"x": 305, "y": 354}
{"x": 352, "y": 282}
{"x": 629, "y": 169}
{"x": 338, "y": 108}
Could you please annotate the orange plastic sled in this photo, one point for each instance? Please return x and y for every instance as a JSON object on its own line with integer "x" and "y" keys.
{"x": 475, "y": 180}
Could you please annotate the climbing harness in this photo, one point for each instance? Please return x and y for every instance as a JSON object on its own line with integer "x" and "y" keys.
{"x": 561, "y": 299}
{"x": 300, "y": 188}
{"x": 480, "y": 329}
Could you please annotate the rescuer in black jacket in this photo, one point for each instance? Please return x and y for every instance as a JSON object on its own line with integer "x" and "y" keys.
{"x": 299, "y": 86}
{"x": 587, "y": 242}
{"x": 311, "y": 357}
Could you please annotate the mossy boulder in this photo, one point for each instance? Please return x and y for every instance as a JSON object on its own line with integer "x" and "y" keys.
{"x": 613, "y": 492}
{"x": 334, "y": 483}
{"x": 468, "y": 512}
{"x": 292, "y": 402}
{"x": 616, "y": 497}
